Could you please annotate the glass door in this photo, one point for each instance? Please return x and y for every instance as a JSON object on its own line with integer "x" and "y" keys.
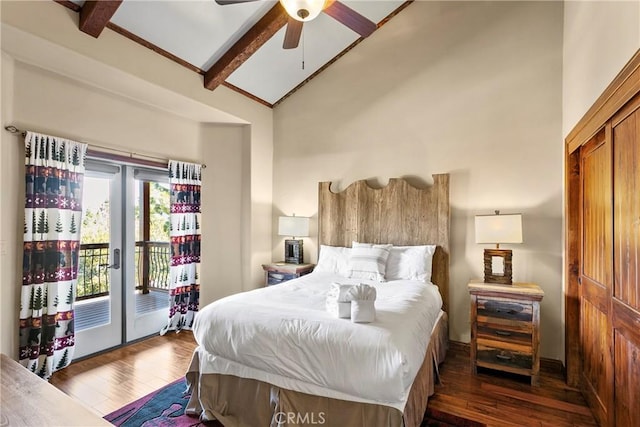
{"x": 147, "y": 231}
{"x": 98, "y": 306}
{"x": 123, "y": 274}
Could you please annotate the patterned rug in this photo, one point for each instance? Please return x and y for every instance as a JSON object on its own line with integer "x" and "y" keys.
{"x": 162, "y": 408}
{"x": 165, "y": 408}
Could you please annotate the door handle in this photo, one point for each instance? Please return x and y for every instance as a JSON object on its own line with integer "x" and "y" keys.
{"x": 116, "y": 261}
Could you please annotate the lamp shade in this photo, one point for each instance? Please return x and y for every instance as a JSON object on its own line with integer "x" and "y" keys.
{"x": 499, "y": 228}
{"x": 294, "y": 226}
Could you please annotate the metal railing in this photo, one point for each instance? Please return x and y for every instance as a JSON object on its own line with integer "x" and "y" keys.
{"x": 152, "y": 260}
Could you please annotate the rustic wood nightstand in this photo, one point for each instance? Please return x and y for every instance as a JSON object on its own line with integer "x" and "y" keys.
{"x": 278, "y": 272}
{"x": 505, "y": 327}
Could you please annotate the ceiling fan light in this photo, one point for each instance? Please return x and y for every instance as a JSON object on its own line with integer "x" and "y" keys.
{"x": 303, "y": 10}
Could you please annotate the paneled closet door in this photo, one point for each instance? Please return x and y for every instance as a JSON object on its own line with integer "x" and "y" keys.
{"x": 596, "y": 277}
{"x": 626, "y": 260}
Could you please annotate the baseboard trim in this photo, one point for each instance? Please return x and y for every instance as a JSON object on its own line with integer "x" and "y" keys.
{"x": 551, "y": 366}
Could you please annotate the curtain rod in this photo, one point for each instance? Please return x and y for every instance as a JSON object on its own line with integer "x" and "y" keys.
{"x": 129, "y": 154}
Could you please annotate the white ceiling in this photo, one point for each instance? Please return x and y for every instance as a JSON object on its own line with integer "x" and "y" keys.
{"x": 201, "y": 31}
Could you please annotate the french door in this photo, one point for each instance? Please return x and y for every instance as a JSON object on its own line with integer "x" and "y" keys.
{"x": 98, "y": 307}
{"x": 123, "y": 277}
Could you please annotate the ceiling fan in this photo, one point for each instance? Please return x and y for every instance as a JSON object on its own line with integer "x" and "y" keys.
{"x": 301, "y": 11}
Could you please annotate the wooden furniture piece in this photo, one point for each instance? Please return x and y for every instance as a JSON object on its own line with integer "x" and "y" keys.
{"x": 278, "y": 272}
{"x": 399, "y": 213}
{"x": 28, "y": 400}
{"x": 505, "y": 327}
{"x": 602, "y": 296}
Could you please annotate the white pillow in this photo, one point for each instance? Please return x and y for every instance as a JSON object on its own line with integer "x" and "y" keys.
{"x": 333, "y": 259}
{"x": 410, "y": 263}
{"x": 368, "y": 261}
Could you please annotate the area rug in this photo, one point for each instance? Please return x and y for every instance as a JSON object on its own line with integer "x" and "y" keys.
{"x": 165, "y": 408}
{"x": 162, "y": 408}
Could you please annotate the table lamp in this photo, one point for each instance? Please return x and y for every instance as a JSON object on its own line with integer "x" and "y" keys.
{"x": 497, "y": 229}
{"x": 294, "y": 226}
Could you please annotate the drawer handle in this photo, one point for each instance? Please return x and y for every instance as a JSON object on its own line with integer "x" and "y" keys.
{"x": 503, "y": 356}
{"x": 511, "y": 311}
{"x": 503, "y": 333}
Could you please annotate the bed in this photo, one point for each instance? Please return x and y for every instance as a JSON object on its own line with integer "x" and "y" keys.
{"x": 275, "y": 356}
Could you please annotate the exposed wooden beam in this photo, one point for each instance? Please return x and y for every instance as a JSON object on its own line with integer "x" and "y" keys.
{"x": 95, "y": 15}
{"x": 248, "y": 44}
{"x": 69, "y": 5}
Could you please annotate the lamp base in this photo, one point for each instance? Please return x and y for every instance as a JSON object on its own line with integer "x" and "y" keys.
{"x": 293, "y": 251}
{"x": 492, "y": 259}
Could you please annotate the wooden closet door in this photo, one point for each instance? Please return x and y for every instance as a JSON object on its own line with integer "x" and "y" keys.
{"x": 626, "y": 255}
{"x": 596, "y": 277}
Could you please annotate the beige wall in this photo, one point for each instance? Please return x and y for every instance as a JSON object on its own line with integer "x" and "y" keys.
{"x": 225, "y": 152}
{"x": 600, "y": 37}
{"x": 115, "y": 93}
{"x": 472, "y": 89}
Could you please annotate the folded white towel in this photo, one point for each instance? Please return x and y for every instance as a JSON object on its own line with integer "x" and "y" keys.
{"x": 337, "y": 302}
{"x": 339, "y": 292}
{"x": 362, "y": 298}
{"x": 363, "y": 311}
{"x": 361, "y": 292}
{"x": 339, "y": 309}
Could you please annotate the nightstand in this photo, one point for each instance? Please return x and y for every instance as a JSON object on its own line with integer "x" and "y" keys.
{"x": 278, "y": 272}
{"x": 505, "y": 327}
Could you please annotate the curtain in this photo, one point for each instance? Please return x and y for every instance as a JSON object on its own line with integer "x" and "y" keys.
{"x": 185, "y": 180}
{"x": 54, "y": 172}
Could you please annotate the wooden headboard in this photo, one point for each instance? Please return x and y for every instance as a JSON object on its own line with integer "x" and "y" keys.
{"x": 398, "y": 213}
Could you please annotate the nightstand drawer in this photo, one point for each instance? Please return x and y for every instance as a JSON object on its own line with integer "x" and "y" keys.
{"x": 279, "y": 272}
{"x": 519, "y": 334}
{"x": 274, "y": 278}
{"x": 500, "y": 308}
{"x": 498, "y": 358}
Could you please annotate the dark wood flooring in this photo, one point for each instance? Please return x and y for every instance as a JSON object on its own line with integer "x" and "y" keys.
{"x": 499, "y": 399}
{"x": 109, "y": 381}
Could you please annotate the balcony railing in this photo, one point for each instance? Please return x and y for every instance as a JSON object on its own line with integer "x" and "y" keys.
{"x": 152, "y": 260}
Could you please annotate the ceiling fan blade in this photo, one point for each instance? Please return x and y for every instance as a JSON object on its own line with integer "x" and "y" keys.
{"x": 352, "y": 19}
{"x": 292, "y": 34}
{"x": 226, "y": 2}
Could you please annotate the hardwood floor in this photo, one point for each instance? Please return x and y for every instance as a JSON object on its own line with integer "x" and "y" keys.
{"x": 109, "y": 381}
{"x": 501, "y": 399}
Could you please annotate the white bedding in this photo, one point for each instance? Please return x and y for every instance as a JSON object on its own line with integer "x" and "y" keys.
{"x": 284, "y": 336}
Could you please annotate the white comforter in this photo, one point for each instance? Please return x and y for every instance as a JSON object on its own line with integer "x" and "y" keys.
{"x": 284, "y": 336}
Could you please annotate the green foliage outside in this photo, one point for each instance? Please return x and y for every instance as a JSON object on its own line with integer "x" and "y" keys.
{"x": 93, "y": 279}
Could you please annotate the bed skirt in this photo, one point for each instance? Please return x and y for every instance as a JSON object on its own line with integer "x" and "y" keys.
{"x": 245, "y": 402}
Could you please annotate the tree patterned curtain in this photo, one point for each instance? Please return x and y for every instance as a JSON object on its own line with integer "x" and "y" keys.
{"x": 185, "y": 180}
{"x": 54, "y": 169}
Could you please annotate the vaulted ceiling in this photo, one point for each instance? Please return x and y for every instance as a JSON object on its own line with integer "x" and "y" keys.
{"x": 236, "y": 45}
